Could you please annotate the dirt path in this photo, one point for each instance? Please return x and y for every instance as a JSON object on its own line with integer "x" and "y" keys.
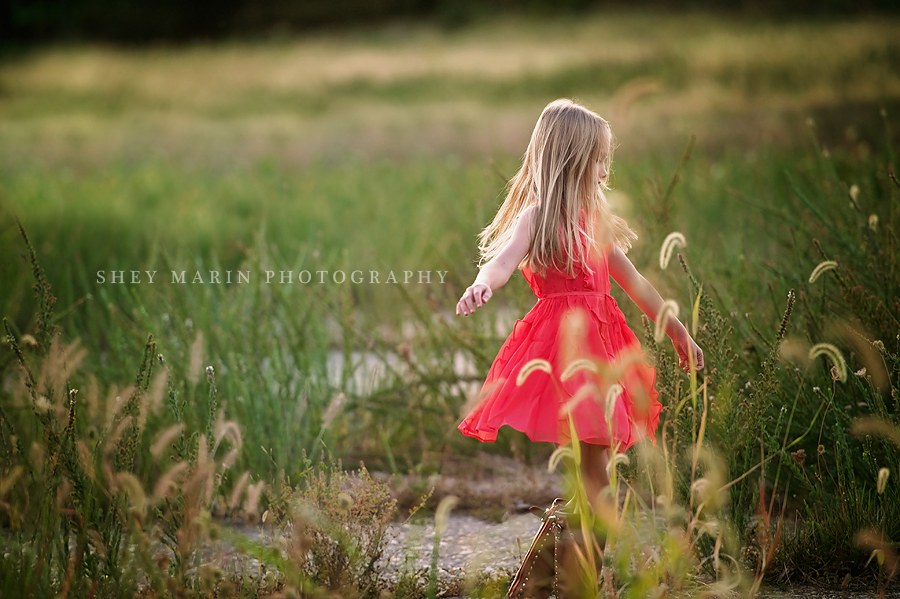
{"x": 469, "y": 547}
{"x": 474, "y": 547}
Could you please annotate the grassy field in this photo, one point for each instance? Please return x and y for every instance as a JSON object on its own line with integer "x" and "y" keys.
{"x": 387, "y": 150}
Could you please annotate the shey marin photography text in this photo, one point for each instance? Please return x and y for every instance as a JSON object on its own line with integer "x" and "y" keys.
{"x": 270, "y": 277}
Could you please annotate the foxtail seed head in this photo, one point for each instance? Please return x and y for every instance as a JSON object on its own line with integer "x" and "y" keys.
{"x": 238, "y": 490}
{"x": 834, "y": 355}
{"x": 197, "y": 359}
{"x": 169, "y": 481}
{"x": 586, "y": 391}
{"x": 611, "y": 396}
{"x": 883, "y": 475}
{"x": 529, "y": 367}
{"x": 672, "y": 240}
{"x": 580, "y": 364}
{"x": 822, "y": 267}
{"x": 558, "y": 455}
{"x": 442, "y": 514}
{"x": 618, "y": 459}
{"x": 164, "y": 439}
{"x": 669, "y": 310}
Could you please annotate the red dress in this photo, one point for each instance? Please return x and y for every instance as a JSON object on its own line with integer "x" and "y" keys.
{"x": 577, "y": 333}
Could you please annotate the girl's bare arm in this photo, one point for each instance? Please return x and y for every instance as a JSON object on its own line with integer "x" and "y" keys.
{"x": 650, "y": 302}
{"x": 497, "y": 271}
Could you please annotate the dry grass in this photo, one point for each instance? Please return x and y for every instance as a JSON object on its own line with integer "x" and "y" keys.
{"x": 403, "y": 91}
{"x": 202, "y": 76}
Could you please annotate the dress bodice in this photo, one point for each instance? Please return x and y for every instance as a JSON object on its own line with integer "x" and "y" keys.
{"x": 557, "y": 283}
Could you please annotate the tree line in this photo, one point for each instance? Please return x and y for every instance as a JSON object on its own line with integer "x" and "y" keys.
{"x": 150, "y": 21}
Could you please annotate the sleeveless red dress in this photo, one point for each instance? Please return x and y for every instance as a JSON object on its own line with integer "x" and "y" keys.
{"x": 577, "y": 333}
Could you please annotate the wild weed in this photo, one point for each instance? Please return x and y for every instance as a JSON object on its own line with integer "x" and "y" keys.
{"x": 335, "y": 525}
{"x": 85, "y": 516}
{"x": 849, "y": 298}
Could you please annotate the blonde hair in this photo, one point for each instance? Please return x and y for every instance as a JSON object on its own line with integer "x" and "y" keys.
{"x": 556, "y": 177}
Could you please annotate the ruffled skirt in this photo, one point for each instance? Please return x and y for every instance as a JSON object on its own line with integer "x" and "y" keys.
{"x": 571, "y": 365}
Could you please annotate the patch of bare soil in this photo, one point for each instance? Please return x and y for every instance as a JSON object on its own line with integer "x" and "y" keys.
{"x": 490, "y": 487}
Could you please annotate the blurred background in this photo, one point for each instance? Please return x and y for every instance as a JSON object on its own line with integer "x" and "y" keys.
{"x": 141, "y": 21}
{"x": 379, "y": 135}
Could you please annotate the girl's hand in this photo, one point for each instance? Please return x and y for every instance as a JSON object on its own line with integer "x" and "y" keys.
{"x": 475, "y": 296}
{"x": 688, "y": 351}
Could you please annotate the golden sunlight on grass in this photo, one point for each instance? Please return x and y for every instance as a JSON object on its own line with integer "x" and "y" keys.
{"x": 198, "y": 76}
{"x": 407, "y": 90}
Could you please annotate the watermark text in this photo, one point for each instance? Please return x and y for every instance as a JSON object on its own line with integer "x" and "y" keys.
{"x": 274, "y": 277}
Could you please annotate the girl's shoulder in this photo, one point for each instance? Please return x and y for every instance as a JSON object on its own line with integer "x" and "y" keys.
{"x": 523, "y": 222}
{"x": 528, "y": 213}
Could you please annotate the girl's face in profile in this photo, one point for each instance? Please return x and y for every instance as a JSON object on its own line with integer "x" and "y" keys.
{"x": 600, "y": 170}
{"x": 601, "y": 167}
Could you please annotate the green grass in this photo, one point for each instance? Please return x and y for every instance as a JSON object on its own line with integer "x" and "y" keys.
{"x": 418, "y": 216}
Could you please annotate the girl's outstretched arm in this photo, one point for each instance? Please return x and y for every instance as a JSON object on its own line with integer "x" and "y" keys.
{"x": 497, "y": 271}
{"x": 650, "y": 302}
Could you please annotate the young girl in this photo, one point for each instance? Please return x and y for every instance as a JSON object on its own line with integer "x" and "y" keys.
{"x": 574, "y": 344}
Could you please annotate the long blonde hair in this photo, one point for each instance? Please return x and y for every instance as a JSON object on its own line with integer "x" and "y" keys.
{"x": 556, "y": 177}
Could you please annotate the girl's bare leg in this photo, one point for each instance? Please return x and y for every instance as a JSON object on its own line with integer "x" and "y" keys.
{"x": 576, "y": 581}
{"x": 594, "y": 462}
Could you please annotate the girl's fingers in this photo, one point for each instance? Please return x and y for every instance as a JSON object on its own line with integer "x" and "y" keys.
{"x": 478, "y": 294}
{"x": 474, "y": 297}
{"x": 468, "y": 306}
{"x": 462, "y": 307}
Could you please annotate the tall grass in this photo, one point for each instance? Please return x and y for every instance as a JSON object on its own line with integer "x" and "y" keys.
{"x": 853, "y": 306}
{"x": 93, "y": 505}
{"x": 79, "y": 520}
